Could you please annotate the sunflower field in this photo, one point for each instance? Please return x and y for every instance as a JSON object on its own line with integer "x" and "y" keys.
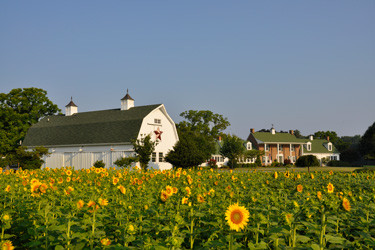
{"x": 185, "y": 209}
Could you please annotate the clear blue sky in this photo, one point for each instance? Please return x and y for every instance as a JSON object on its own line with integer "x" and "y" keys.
{"x": 307, "y": 65}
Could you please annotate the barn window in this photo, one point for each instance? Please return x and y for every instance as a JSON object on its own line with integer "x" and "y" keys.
{"x": 157, "y": 121}
{"x": 161, "y": 157}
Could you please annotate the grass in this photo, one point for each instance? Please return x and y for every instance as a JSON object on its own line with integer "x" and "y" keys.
{"x": 303, "y": 169}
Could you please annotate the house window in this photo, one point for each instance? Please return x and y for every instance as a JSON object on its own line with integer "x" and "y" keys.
{"x": 280, "y": 147}
{"x": 333, "y": 158}
{"x": 161, "y": 157}
{"x": 157, "y": 121}
{"x": 249, "y": 146}
{"x": 330, "y": 147}
{"x": 153, "y": 157}
{"x": 292, "y": 148}
{"x": 267, "y": 147}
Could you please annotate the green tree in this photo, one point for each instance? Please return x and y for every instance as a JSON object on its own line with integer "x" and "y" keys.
{"x": 233, "y": 149}
{"x": 27, "y": 159}
{"x": 367, "y": 143}
{"x": 297, "y": 133}
{"x": 144, "y": 148}
{"x": 19, "y": 109}
{"x": 204, "y": 122}
{"x": 307, "y": 161}
{"x": 324, "y": 134}
{"x": 205, "y": 126}
{"x": 188, "y": 151}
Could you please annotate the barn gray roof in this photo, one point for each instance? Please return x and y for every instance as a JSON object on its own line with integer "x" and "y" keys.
{"x": 95, "y": 127}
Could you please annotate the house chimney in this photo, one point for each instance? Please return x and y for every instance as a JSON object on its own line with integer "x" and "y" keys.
{"x": 71, "y": 108}
{"x": 311, "y": 137}
{"x": 219, "y": 138}
{"x": 273, "y": 131}
{"x": 127, "y": 102}
{"x": 327, "y": 138}
{"x": 252, "y": 130}
{"x": 291, "y": 132}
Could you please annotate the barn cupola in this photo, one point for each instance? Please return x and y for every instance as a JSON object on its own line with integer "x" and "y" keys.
{"x": 127, "y": 102}
{"x": 71, "y": 108}
{"x": 273, "y": 131}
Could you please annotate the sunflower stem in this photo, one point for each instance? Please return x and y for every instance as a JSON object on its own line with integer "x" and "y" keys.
{"x": 231, "y": 241}
{"x": 322, "y": 230}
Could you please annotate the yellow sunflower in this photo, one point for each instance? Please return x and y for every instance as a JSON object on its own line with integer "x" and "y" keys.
{"x": 200, "y": 198}
{"x": 7, "y": 245}
{"x": 299, "y": 188}
{"x": 346, "y": 204}
{"x": 103, "y": 202}
{"x": 169, "y": 190}
{"x": 330, "y": 188}
{"x": 164, "y": 196}
{"x": 185, "y": 200}
{"x": 115, "y": 180}
{"x": 105, "y": 242}
{"x": 319, "y": 195}
{"x": 80, "y": 204}
{"x": 122, "y": 189}
{"x": 237, "y": 217}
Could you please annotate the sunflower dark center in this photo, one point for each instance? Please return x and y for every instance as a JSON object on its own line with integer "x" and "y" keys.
{"x": 236, "y": 216}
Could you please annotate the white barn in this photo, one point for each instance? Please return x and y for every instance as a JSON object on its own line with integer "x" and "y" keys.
{"x": 79, "y": 139}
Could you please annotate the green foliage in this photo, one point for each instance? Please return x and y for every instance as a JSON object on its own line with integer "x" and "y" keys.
{"x": 307, "y": 161}
{"x": 297, "y": 133}
{"x": 233, "y": 149}
{"x": 188, "y": 152}
{"x": 367, "y": 143}
{"x": 125, "y": 161}
{"x": 204, "y": 122}
{"x": 99, "y": 164}
{"x": 205, "y": 127}
{"x": 258, "y": 162}
{"x": 19, "y": 109}
{"x": 350, "y": 155}
{"x": 144, "y": 148}
{"x": 27, "y": 159}
{"x": 276, "y": 164}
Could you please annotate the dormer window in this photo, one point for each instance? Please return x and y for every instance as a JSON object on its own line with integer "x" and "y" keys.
{"x": 308, "y": 146}
{"x": 330, "y": 146}
{"x": 157, "y": 121}
{"x": 249, "y": 146}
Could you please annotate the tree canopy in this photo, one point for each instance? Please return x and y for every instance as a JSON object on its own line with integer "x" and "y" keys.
{"x": 188, "y": 151}
{"x": 367, "y": 143}
{"x": 204, "y": 122}
{"x": 144, "y": 148}
{"x": 19, "y": 109}
{"x": 232, "y": 148}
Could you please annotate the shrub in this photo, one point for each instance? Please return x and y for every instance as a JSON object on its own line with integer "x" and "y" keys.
{"x": 212, "y": 163}
{"x": 99, "y": 164}
{"x": 258, "y": 162}
{"x": 287, "y": 162}
{"x": 339, "y": 164}
{"x": 125, "y": 161}
{"x": 276, "y": 164}
{"x": 307, "y": 161}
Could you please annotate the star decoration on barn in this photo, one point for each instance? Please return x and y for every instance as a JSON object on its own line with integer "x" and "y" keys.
{"x": 158, "y": 133}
